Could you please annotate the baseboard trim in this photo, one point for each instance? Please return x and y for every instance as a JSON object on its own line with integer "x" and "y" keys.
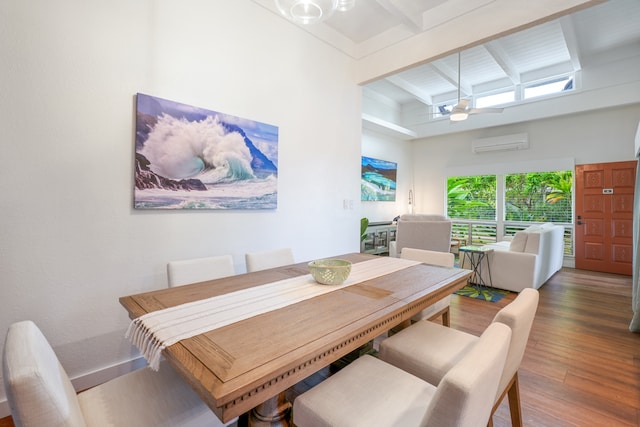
{"x": 92, "y": 379}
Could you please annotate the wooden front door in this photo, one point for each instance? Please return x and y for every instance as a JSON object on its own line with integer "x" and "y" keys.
{"x": 604, "y": 216}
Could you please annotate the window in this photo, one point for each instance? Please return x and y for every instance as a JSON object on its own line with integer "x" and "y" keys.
{"x": 443, "y": 110}
{"x": 495, "y": 99}
{"x": 476, "y": 203}
{"x": 472, "y": 197}
{"x": 539, "y": 197}
{"x": 548, "y": 87}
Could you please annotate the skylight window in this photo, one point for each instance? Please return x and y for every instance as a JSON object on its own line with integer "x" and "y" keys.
{"x": 495, "y": 99}
{"x": 548, "y": 87}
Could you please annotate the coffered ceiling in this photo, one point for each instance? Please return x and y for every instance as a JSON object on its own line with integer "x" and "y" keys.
{"x": 604, "y": 32}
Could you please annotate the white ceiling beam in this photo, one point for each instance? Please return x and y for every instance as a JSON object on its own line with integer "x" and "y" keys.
{"x": 570, "y": 38}
{"x": 418, "y": 93}
{"x": 497, "y": 52}
{"x": 451, "y": 76}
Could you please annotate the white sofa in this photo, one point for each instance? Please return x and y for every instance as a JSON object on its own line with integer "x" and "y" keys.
{"x": 422, "y": 231}
{"x": 526, "y": 261}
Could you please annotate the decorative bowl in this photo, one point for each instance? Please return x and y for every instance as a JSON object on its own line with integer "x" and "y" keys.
{"x": 330, "y": 271}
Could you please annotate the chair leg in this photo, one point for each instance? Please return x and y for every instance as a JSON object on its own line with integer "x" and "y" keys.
{"x": 445, "y": 317}
{"x": 514, "y": 402}
{"x": 513, "y": 391}
{"x": 444, "y": 313}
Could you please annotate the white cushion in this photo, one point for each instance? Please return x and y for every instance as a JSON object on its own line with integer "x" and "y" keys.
{"x": 366, "y": 393}
{"x": 426, "y": 349}
{"x": 533, "y": 242}
{"x": 518, "y": 242}
{"x": 146, "y": 398}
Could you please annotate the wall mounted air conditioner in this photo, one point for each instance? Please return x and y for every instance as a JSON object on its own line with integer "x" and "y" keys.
{"x": 519, "y": 141}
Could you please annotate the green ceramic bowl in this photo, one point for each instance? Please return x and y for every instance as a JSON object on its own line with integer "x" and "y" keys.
{"x": 330, "y": 271}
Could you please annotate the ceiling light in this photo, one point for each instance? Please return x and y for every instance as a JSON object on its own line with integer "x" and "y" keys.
{"x": 311, "y": 11}
{"x": 458, "y": 116}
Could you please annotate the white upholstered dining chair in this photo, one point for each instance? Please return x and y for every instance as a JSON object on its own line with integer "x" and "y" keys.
{"x": 445, "y": 259}
{"x": 257, "y": 261}
{"x": 199, "y": 269}
{"x": 370, "y": 392}
{"x": 41, "y": 394}
{"x": 428, "y": 350}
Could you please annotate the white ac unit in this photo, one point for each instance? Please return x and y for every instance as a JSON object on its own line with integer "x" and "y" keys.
{"x": 519, "y": 141}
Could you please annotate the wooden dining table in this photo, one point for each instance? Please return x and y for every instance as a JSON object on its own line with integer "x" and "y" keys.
{"x": 248, "y": 365}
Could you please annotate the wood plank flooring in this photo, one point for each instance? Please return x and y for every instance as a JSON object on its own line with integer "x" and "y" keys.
{"x": 582, "y": 365}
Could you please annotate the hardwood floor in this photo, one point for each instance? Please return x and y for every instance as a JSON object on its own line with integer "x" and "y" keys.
{"x": 582, "y": 365}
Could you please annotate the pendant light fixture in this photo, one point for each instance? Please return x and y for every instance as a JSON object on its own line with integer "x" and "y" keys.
{"x": 311, "y": 11}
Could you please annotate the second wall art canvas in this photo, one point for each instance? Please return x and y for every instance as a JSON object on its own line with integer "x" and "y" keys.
{"x": 378, "y": 181}
{"x": 191, "y": 158}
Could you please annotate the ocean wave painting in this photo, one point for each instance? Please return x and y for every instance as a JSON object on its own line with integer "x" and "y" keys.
{"x": 191, "y": 158}
{"x": 378, "y": 181}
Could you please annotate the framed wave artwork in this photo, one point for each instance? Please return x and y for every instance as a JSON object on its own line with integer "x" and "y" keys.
{"x": 191, "y": 158}
{"x": 378, "y": 181}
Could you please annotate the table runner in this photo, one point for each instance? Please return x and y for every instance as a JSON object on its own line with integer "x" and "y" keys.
{"x": 153, "y": 332}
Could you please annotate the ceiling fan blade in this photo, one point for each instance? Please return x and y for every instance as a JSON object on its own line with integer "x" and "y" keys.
{"x": 462, "y": 105}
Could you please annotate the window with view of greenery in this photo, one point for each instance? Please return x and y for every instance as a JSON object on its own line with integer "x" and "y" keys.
{"x": 529, "y": 197}
{"x": 539, "y": 197}
{"x": 472, "y": 197}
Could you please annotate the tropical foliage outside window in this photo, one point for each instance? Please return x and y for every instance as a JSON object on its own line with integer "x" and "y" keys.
{"x": 529, "y": 197}
{"x": 539, "y": 197}
{"x": 472, "y": 197}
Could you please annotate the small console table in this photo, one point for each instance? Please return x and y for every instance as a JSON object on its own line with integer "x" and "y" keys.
{"x": 476, "y": 255}
{"x": 378, "y": 237}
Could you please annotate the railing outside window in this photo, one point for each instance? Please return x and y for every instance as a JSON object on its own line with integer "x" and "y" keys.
{"x": 484, "y": 232}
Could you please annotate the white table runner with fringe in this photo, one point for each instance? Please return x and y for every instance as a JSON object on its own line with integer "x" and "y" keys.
{"x": 153, "y": 332}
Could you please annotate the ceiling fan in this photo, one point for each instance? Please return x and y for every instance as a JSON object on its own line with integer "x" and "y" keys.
{"x": 461, "y": 110}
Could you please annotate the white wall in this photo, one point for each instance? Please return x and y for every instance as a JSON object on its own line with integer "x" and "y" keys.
{"x": 70, "y": 242}
{"x": 592, "y": 137}
{"x": 393, "y": 150}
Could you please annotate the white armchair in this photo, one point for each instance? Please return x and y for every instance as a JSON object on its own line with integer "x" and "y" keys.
{"x": 422, "y": 231}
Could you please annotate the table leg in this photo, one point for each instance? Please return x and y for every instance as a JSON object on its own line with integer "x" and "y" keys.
{"x": 274, "y": 412}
